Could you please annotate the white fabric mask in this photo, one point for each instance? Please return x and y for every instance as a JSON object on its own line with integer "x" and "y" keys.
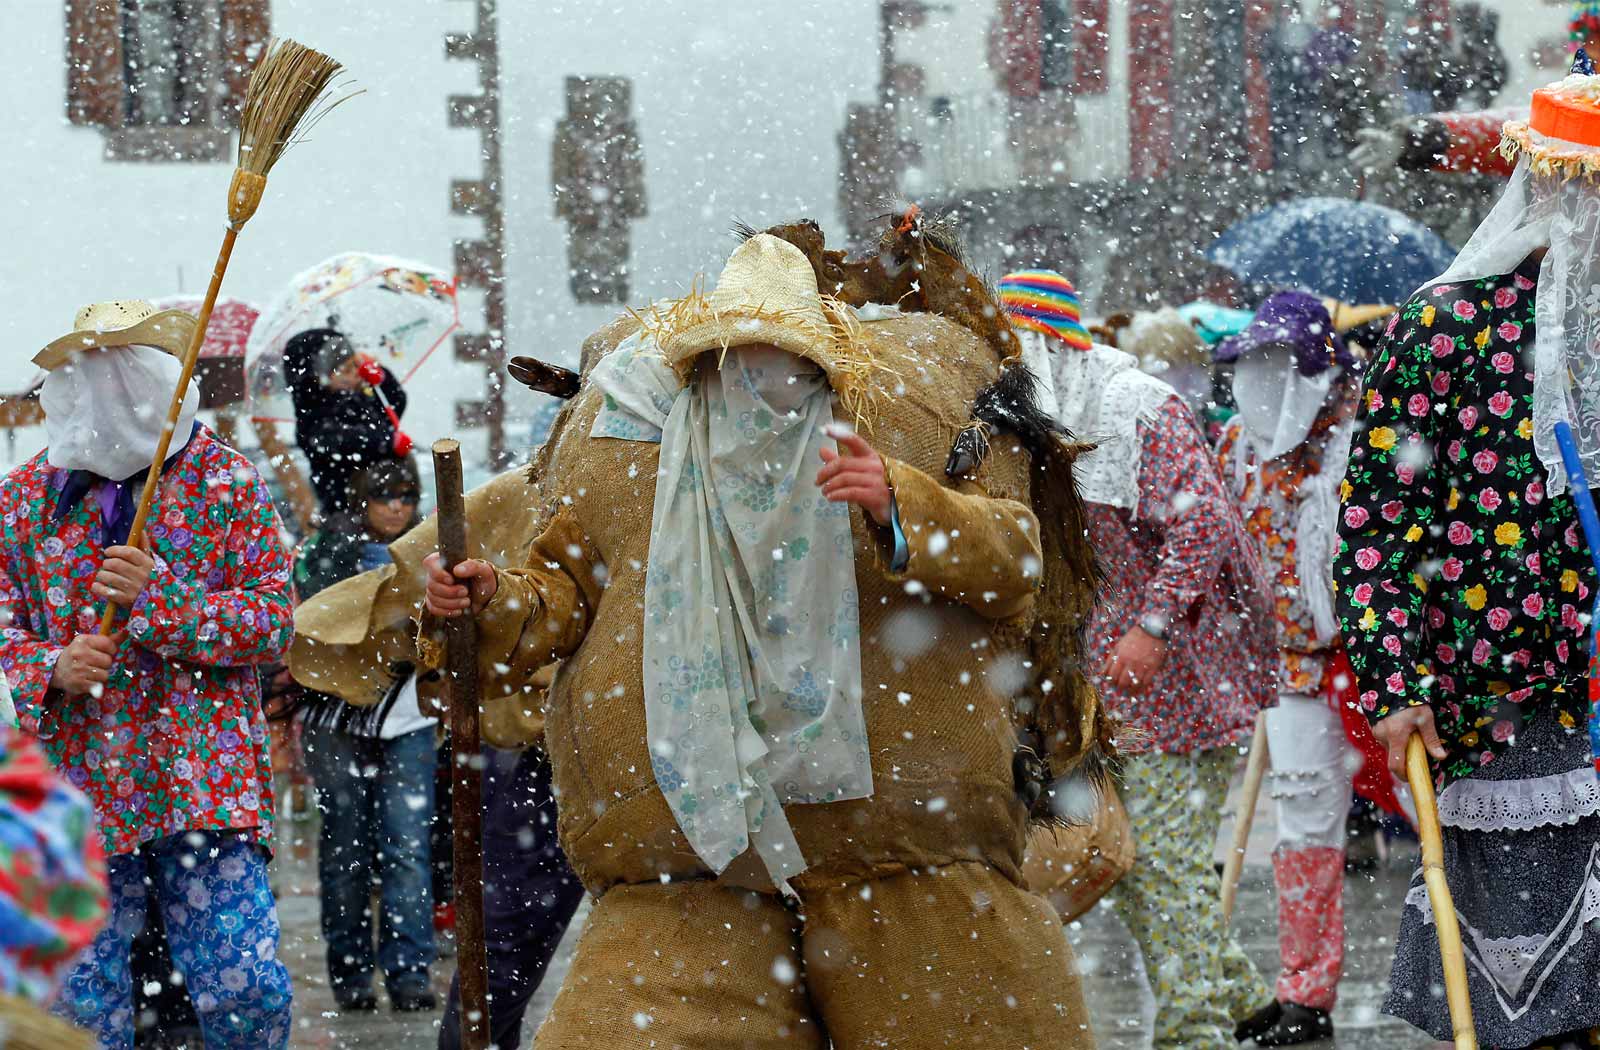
{"x": 1277, "y": 404}
{"x": 104, "y": 411}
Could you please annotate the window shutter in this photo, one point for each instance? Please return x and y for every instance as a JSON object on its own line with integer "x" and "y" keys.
{"x": 246, "y": 24}
{"x": 1092, "y": 46}
{"x": 1014, "y": 45}
{"x": 94, "y": 63}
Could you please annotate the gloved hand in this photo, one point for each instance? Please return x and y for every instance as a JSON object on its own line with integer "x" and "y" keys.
{"x": 1379, "y": 150}
{"x": 369, "y": 370}
{"x": 402, "y": 443}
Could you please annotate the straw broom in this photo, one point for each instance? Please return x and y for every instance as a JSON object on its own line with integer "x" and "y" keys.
{"x": 1444, "y": 907}
{"x": 288, "y": 94}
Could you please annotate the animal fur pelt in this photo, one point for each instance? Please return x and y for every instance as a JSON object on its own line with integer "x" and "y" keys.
{"x": 1074, "y": 732}
{"x": 920, "y": 266}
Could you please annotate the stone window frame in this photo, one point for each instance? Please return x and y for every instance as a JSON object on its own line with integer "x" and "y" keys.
{"x": 96, "y": 79}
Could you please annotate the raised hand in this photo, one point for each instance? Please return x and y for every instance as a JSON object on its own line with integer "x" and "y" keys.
{"x": 855, "y": 474}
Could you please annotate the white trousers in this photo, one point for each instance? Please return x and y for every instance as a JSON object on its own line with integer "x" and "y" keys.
{"x": 1313, "y": 764}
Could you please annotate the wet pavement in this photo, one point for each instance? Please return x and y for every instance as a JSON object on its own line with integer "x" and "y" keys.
{"x": 1120, "y": 1004}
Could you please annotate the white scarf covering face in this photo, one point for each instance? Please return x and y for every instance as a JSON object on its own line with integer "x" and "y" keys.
{"x": 1103, "y": 397}
{"x": 1278, "y": 406}
{"x": 104, "y": 411}
{"x": 752, "y": 662}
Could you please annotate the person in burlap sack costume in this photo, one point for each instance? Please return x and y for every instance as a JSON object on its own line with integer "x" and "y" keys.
{"x": 785, "y": 773}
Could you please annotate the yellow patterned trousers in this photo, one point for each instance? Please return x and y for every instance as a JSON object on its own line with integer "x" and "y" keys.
{"x": 1170, "y": 901}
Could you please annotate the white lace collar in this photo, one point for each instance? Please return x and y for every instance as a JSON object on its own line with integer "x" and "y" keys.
{"x": 1103, "y": 397}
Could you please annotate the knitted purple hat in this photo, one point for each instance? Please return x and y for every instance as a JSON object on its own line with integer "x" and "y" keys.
{"x": 1297, "y": 320}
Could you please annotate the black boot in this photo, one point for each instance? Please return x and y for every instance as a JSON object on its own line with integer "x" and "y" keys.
{"x": 1298, "y": 1024}
{"x": 355, "y": 998}
{"x": 1259, "y": 1023}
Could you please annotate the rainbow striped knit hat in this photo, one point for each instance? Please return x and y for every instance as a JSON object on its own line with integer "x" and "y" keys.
{"x": 1044, "y": 301}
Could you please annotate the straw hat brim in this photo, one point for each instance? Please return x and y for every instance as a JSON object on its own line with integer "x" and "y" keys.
{"x": 1547, "y": 156}
{"x": 168, "y": 330}
{"x": 681, "y": 349}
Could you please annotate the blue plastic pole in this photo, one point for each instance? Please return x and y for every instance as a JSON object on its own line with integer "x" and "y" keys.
{"x": 1578, "y": 486}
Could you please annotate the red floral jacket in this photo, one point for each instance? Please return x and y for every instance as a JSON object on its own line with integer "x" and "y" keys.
{"x": 177, "y": 741}
{"x": 1186, "y": 562}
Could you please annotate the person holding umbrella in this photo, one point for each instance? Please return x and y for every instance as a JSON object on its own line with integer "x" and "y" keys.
{"x": 160, "y": 722}
{"x": 347, "y": 410}
{"x": 1465, "y": 587}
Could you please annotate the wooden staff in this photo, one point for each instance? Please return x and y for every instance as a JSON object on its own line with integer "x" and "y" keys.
{"x": 1233, "y": 864}
{"x": 466, "y": 787}
{"x": 1445, "y": 923}
{"x": 287, "y": 95}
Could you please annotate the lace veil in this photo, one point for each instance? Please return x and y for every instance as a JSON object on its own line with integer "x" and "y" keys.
{"x": 1562, "y": 213}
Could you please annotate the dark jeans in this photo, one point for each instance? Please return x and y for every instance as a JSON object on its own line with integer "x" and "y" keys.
{"x": 376, "y": 798}
{"x": 529, "y": 893}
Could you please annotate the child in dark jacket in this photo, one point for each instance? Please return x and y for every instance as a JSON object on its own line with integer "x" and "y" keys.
{"x": 374, "y": 770}
{"x": 340, "y": 421}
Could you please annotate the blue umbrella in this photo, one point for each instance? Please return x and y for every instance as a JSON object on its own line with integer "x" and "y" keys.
{"x": 1348, "y": 250}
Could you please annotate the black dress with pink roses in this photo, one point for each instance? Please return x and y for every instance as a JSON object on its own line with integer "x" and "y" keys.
{"x": 1461, "y": 583}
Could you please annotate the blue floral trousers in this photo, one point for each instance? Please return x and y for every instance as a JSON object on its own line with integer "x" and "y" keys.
{"x": 222, "y": 929}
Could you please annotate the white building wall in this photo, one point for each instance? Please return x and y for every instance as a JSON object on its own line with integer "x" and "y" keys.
{"x": 737, "y": 106}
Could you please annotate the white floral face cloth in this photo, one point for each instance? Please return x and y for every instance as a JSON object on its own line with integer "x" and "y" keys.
{"x": 752, "y": 656}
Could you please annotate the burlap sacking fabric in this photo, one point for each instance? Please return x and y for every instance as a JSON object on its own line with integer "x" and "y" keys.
{"x": 956, "y": 957}
{"x": 933, "y": 857}
{"x": 1076, "y": 865}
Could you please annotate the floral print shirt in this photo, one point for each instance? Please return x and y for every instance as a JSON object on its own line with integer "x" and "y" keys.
{"x": 1186, "y": 563}
{"x": 1269, "y": 497}
{"x": 52, "y": 873}
{"x": 177, "y": 741}
{"x": 1461, "y": 583}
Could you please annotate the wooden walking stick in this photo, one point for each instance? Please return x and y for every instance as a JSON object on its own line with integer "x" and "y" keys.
{"x": 466, "y": 788}
{"x": 1445, "y": 923}
{"x": 288, "y": 94}
{"x": 1233, "y": 863}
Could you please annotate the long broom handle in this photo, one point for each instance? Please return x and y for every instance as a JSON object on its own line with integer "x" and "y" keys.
{"x": 164, "y": 442}
{"x": 466, "y": 787}
{"x": 1233, "y": 863}
{"x": 1445, "y": 923}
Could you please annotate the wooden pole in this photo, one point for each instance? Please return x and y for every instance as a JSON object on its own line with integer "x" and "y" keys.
{"x": 1445, "y": 923}
{"x": 190, "y": 357}
{"x": 466, "y": 799}
{"x": 1233, "y": 864}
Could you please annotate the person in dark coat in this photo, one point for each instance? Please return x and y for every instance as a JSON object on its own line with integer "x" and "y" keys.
{"x": 340, "y": 422}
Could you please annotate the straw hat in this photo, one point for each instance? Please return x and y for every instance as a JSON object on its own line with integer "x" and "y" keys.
{"x": 767, "y": 294}
{"x": 1562, "y": 133}
{"x": 122, "y": 322}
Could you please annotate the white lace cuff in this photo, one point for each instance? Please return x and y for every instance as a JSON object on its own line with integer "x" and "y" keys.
{"x": 1520, "y": 805}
